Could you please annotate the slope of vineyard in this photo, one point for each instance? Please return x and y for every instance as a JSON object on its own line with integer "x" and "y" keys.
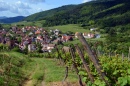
{"x": 116, "y": 69}
{"x": 94, "y": 66}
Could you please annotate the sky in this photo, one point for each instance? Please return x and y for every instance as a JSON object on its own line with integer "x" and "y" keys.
{"x": 12, "y": 8}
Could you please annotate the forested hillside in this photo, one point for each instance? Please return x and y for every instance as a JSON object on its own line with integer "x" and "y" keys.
{"x": 104, "y": 13}
{"x": 49, "y": 13}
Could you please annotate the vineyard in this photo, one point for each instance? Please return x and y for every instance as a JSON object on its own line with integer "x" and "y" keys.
{"x": 18, "y": 69}
{"x": 92, "y": 69}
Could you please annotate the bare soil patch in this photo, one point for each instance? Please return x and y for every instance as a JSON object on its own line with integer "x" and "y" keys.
{"x": 63, "y": 84}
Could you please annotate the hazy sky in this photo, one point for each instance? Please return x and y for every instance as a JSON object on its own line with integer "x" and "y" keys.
{"x": 11, "y": 8}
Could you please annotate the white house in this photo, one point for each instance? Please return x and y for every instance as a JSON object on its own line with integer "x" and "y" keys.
{"x": 88, "y": 35}
{"x": 31, "y": 47}
{"x": 23, "y": 29}
{"x": 76, "y": 35}
{"x": 56, "y": 32}
{"x": 92, "y": 29}
{"x": 50, "y": 47}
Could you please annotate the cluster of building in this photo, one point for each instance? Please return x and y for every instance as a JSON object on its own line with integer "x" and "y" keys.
{"x": 32, "y": 37}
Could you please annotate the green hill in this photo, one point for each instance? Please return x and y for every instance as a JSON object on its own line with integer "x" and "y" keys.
{"x": 104, "y": 13}
{"x": 101, "y": 12}
{"x": 48, "y": 13}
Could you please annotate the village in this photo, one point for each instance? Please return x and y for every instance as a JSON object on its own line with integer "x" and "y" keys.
{"x": 33, "y": 38}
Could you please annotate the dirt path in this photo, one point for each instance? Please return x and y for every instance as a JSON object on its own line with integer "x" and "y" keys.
{"x": 53, "y": 74}
{"x": 63, "y": 84}
{"x": 29, "y": 82}
{"x": 43, "y": 83}
{"x": 50, "y": 71}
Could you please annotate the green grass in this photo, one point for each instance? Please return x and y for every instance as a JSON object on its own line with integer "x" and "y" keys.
{"x": 11, "y": 64}
{"x": 22, "y": 23}
{"x": 47, "y": 70}
{"x": 98, "y": 39}
{"x": 77, "y": 41}
{"x": 70, "y": 27}
{"x": 6, "y": 26}
{"x": 38, "y": 73}
{"x": 53, "y": 72}
{"x": 35, "y": 70}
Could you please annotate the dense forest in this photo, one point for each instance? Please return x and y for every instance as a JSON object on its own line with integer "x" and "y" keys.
{"x": 49, "y": 13}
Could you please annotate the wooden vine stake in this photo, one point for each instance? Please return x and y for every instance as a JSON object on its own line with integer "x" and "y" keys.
{"x": 93, "y": 58}
{"x": 75, "y": 66}
{"x": 129, "y": 55}
{"x": 86, "y": 65}
{"x": 122, "y": 57}
{"x": 66, "y": 70}
{"x": 59, "y": 55}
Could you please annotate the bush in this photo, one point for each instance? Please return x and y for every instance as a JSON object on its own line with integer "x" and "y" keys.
{"x": 16, "y": 49}
{"x": 3, "y": 47}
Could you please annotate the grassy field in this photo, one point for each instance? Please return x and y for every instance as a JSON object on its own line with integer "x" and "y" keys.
{"x": 35, "y": 23}
{"x": 70, "y": 27}
{"x": 77, "y": 41}
{"x": 64, "y": 28}
{"x": 46, "y": 70}
{"x": 54, "y": 72}
{"x": 34, "y": 71}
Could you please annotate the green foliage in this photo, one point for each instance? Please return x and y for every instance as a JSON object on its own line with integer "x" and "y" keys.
{"x": 69, "y": 32}
{"x": 117, "y": 71}
{"x": 99, "y": 83}
{"x": 36, "y": 54}
{"x": 123, "y": 81}
{"x": 3, "y": 47}
{"x": 16, "y": 49}
{"x": 91, "y": 22}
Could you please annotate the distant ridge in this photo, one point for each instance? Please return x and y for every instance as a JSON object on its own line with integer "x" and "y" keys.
{"x": 3, "y": 17}
{"x": 11, "y": 19}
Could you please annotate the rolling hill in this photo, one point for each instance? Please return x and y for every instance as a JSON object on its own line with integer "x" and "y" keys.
{"x": 102, "y": 12}
{"x": 48, "y": 13}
